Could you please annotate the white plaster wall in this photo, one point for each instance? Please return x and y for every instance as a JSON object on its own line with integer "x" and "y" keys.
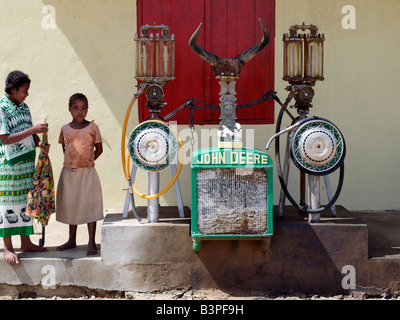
{"x": 92, "y": 51}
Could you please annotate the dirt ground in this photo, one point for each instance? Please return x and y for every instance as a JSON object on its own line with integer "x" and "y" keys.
{"x": 71, "y": 293}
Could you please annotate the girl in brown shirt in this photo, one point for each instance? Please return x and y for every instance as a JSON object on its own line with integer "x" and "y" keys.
{"x": 79, "y": 196}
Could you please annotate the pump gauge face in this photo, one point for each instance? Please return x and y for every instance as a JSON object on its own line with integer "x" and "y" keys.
{"x": 305, "y": 95}
{"x": 153, "y": 145}
{"x": 155, "y": 93}
{"x": 317, "y": 147}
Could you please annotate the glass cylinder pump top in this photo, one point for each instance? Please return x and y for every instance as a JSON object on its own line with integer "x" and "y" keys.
{"x": 155, "y": 54}
{"x": 303, "y": 55}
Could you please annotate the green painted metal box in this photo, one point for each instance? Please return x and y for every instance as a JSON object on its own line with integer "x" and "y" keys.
{"x": 231, "y": 195}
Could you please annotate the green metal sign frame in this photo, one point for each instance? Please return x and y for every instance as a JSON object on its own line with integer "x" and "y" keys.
{"x": 209, "y": 158}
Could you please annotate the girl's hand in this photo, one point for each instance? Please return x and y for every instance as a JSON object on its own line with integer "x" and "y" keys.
{"x": 40, "y": 128}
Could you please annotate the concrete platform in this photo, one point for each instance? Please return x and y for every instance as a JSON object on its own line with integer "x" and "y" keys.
{"x": 303, "y": 257}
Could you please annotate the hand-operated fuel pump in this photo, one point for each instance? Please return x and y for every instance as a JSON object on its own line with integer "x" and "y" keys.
{"x": 153, "y": 145}
{"x": 315, "y": 145}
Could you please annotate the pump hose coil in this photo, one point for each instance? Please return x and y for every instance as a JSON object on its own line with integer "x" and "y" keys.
{"x": 282, "y": 179}
{"x": 125, "y": 157}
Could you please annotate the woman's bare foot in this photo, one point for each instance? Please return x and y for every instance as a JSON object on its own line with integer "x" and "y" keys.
{"x": 92, "y": 249}
{"x": 68, "y": 245}
{"x": 28, "y": 246}
{"x": 10, "y": 256}
{"x": 32, "y": 248}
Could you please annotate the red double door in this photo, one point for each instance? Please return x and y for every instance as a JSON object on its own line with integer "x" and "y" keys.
{"x": 229, "y": 27}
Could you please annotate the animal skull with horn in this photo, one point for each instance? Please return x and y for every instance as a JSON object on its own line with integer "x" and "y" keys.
{"x": 228, "y": 68}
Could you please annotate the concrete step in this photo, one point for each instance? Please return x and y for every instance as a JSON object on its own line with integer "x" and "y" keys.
{"x": 135, "y": 256}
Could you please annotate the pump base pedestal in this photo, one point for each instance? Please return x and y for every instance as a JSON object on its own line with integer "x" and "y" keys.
{"x": 302, "y": 257}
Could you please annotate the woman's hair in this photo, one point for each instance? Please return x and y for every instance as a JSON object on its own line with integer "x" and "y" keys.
{"x": 15, "y": 80}
{"x": 78, "y": 96}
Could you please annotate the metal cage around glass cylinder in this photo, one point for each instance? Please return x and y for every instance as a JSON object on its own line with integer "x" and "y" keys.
{"x": 231, "y": 195}
{"x": 303, "y": 55}
{"x": 155, "y": 56}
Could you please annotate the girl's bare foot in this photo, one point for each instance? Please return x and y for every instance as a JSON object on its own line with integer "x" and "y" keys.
{"x": 68, "y": 245}
{"x": 10, "y": 256}
{"x": 92, "y": 249}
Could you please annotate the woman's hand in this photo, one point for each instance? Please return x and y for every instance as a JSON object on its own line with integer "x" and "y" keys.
{"x": 18, "y": 136}
{"x": 40, "y": 128}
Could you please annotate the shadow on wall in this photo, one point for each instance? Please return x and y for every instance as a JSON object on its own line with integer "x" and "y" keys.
{"x": 102, "y": 35}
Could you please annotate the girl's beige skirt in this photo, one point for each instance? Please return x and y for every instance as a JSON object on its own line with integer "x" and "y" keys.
{"x": 79, "y": 196}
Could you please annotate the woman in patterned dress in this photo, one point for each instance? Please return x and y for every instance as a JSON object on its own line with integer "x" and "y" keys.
{"x": 18, "y": 139}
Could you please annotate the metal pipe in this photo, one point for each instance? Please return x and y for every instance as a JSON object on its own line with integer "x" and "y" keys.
{"x": 282, "y": 132}
{"x": 138, "y": 59}
{"x": 144, "y": 59}
{"x": 178, "y": 193}
{"x": 132, "y": 201}
{"x": 173, "y": 55}
{"x": 302, "y": 201}
{"x": 153, "y": 208}
{"x": 158, "y": 62}
{"x": 314, "y": 197}
{"x": 166, "y": 59}
{"x": 282, "y": 196}
{"x": 151, "y": 55}
{"x": 329, "y": 193}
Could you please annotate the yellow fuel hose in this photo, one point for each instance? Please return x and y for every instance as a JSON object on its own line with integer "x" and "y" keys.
{"x": 125, "y": 157}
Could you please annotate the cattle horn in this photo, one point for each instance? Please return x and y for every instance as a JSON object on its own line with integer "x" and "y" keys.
{"x": 203, "y": 53}
{"x": 250, "y": 53}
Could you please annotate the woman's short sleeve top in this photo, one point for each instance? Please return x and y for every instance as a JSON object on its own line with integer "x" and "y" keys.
{"x": 13, "y": 119}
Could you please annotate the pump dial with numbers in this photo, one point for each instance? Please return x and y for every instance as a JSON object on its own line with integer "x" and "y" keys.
{"x": 155, "y": 93}
{"x": 305, "y": 95}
